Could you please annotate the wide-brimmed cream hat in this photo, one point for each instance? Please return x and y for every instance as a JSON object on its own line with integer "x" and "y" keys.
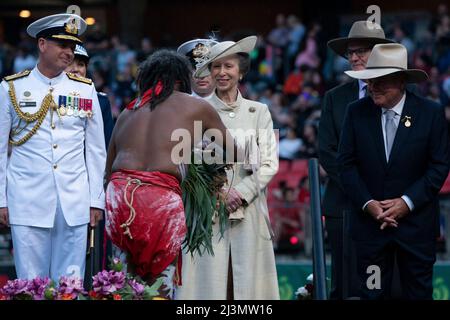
{"x": 361, "y": 31}
{"x": 386, "y": 59}
{"x": 224, "y": 49}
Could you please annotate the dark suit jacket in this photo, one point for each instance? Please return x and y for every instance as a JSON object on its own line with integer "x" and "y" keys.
{"x": 417, "y": 167}
{"x": 334, "y": 107}
{"x": 331, "y": 120}
{"x": 108, "y": 123}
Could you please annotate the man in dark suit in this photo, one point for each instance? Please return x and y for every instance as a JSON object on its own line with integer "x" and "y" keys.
{"x": 393, "y": 158}
{"x": 356, "y": 48}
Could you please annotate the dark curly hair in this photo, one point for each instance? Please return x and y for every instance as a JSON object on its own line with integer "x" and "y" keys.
{"x": 166, "y": 66}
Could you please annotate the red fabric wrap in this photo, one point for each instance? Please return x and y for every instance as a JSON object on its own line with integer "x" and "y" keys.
{"x": 159, "y": 226}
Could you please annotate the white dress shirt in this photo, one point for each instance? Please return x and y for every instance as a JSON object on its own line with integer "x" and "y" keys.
{"x": 398, "y": 109}
{"x": 362, "y": 89}
{"x": 194, "y": 94}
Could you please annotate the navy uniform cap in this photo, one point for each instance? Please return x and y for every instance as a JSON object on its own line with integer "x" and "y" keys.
{"x": 81, "y": 52}
{"x": 63, "y": 26}
{"x": 196, "y": 50}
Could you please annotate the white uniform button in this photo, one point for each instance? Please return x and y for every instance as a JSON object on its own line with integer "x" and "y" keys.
{"x": 55, "y": 166}
{"x": 55, "y": 146}
{"x": 53, "y": 126}
{"x": 232, "y": 114}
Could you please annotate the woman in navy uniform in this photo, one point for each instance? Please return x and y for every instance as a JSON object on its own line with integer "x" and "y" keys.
{"x": 79, "y": 67}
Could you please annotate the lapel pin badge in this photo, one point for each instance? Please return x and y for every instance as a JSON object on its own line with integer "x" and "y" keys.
{"x": 407, "y": 121}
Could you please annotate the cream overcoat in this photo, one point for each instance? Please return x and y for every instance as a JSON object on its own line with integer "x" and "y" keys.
{"x": 247, "y": 240}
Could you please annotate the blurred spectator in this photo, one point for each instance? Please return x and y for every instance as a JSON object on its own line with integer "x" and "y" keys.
{"x": 290, "y": 146}
{"x": 434, "y": 93}
{"x": 278, "y": 36}
{"x": 303, "y": 194}
{"x": 309, "y": 148}
{"x": 125, "y": 88}
{"x": 309, "y": 56}
{"x": 24, "y": 60}
{"x": 296, "y": 33}
{"x": 304, "y": 106}
{"x": 145, "y": 51}
{"x": 400, "y": 37}
{"x": 287, "y": 221}
{"x": 281, "y": 113}
{"x": 293, "y": 84}
{"x": 125, "y": 57}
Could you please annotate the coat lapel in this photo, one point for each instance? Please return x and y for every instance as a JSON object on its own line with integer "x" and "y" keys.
{"x": 355, "y": 91}
{"x": 402, "y": 133}
{"x": 376, "y": 130}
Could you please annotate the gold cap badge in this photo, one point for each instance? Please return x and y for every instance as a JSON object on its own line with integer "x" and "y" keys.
{"x": 71, "y": 27}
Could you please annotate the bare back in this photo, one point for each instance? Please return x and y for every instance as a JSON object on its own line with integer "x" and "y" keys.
{"x": 142, "y": 138}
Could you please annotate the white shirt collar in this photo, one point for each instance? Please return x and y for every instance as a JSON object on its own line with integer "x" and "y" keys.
{"x": 46, "y": 80}
{"x": 361, "y": 84}
{"x": 194, "y": 94}
{"x": 398, "y": 108}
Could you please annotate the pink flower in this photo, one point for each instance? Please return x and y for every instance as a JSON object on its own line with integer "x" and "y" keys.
{"x": 17, "y": 289}
{"x": 38, "y": 286}
{"x": 138, "y": 289}
{"x": 108, "y": 282}
{"x": 72, "y": 286}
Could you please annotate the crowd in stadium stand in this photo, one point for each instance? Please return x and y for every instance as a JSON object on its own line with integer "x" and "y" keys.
{"x": 290, "y": 72}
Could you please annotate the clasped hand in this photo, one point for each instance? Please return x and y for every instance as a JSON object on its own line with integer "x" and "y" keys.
{"x": 233, "y": 199}
{"x": 387, "y": 212}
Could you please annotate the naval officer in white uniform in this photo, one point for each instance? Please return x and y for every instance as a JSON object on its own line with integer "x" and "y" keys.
{"x": 52, "y": 186}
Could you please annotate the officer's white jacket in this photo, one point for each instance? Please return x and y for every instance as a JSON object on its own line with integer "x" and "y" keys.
{"x": 66, "y": 162}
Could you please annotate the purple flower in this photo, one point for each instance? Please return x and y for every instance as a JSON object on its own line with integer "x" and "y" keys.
{"x": 138, "y": 288}
{"x": 17, "y": 289}
{"x": 108, "y": 282}
{"x": 70, "y": 286}
{"x": 38, "y": 286}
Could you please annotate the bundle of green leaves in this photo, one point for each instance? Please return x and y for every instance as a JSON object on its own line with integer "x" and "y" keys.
{"x": 202, "y": 200}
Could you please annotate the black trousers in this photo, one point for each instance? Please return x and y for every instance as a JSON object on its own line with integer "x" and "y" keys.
{"x": 415, "y": 269}
{"x": 344, "y": 281}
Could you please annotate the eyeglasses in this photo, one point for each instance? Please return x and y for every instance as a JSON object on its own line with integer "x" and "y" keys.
{"x": 359, "y": 52}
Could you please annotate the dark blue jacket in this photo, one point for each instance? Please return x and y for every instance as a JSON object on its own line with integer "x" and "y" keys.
{"x": 417, "y": 167}
{"x": 108, "y": 123}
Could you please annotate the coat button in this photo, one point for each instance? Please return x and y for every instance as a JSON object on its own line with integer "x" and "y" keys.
{"x": 55, "y": 166}
{"x": 232, "y": 114}
{"x": 53, "y": 126}
{"x": 55, "y": 146}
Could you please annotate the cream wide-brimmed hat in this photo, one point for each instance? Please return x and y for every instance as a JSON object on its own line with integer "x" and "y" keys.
{"x": 360, "y": 31}
{"x": 224, "y": 49}
{"x": 388, "y": 58}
